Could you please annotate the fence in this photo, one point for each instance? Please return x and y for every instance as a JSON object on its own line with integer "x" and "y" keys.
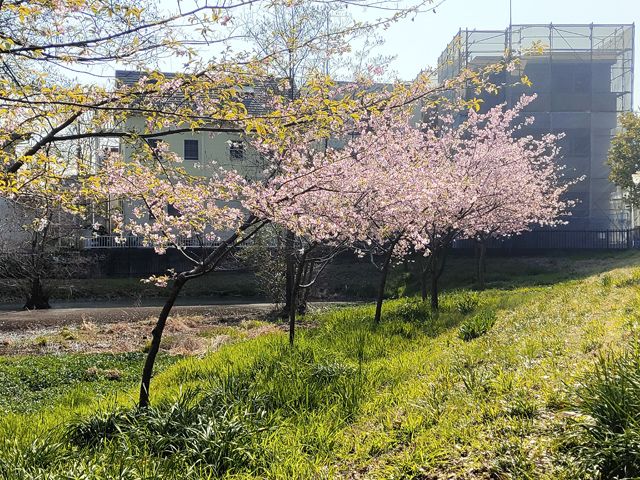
{"x": 562, "y": 240}
{"x": 130, "y": 241}
{"x": 535, "y": 240}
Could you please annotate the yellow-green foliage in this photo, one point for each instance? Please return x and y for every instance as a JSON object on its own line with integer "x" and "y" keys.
{"x": 405, "y": 399}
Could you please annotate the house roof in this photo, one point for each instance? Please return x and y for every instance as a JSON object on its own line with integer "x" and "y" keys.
{"x": 255, "y": 96}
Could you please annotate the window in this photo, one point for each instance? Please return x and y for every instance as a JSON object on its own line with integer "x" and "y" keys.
{"x": 173, "y": 211}
{"x": 236, "y": 150}
{"x": 191, "y": 150}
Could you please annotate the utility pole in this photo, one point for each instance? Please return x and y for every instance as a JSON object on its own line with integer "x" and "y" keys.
{"x": 510, "y": 13}
{"x": 510, "y": 26}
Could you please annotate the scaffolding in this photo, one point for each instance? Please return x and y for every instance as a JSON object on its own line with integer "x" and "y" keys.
{"x": 583, "y": 78}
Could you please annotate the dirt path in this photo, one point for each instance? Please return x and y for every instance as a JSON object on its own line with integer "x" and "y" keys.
{"x": 13, "y": 320}
{"x": 115, "y": 328}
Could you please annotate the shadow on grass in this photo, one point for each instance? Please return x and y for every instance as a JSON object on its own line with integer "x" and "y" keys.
{"x": 507, "y": 273}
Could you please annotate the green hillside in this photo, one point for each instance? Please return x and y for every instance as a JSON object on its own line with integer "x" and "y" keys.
{"x": 517, "y": 381}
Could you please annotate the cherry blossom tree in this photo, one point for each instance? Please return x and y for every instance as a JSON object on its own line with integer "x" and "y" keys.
{"x": 169, "y": 208}
{"x": 492, "y": 181}
{"x": 366, "y": 193}
{"x": 397, "y": 187}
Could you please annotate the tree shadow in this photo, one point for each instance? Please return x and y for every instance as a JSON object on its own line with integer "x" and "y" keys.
{"x": 507, "y": 273}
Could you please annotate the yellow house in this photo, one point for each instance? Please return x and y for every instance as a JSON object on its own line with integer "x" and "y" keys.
{"x": 202, "y": 151}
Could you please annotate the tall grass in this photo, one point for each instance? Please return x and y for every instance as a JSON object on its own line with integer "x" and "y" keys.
{"x": 607, "y": 440}
{"x": 407, "y": 398}
{"x": 225, "y": 418}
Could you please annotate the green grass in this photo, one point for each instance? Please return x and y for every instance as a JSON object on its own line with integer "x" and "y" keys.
{"x": 404, "y": 399}
{"x": 36, "y": 383}
{"x": 607, "y": 434}
{"x": 477, "y": 325}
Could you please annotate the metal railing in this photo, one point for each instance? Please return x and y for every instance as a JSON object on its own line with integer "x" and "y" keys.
{"x": 563, "y": 240}
{"x": 535, "y": 240}
{"x": 132, "y": 241}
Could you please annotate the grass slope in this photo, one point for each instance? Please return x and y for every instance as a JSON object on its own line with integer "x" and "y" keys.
{"x": 406, "y": 399}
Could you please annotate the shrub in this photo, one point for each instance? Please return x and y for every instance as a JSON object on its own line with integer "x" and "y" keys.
{"x": 413, "y": 310}
{"x": 217, "y": 431}
{"x": 466, "y": 302}
{"x": 606, "y": 280}
{"x": 477, "y": 325}
{"x": 606, "y": 439}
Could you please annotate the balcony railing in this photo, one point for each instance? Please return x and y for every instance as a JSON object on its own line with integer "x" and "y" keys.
{"x": 132, "y": 241}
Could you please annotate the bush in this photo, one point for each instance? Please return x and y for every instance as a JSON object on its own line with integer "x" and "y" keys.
{"x": 606, "y": 439}
{"x": 98, "y": 428}
{"x": 413, "y": 310}
{"x": 217, "y": 431}
{"x": 477, "y": 325}
{"x": 466, "y": 302}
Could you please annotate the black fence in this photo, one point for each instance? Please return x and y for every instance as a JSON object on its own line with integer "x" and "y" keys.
{"x": 142, "y": 262}
{"x": 562, "y": 240}
{"x": 126, "y": 261}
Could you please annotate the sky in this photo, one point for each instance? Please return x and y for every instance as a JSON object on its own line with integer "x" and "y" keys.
{"x": 419, "y": 43}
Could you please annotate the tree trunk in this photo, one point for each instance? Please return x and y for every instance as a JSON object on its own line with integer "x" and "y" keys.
{"x": 304, "y": 294}
{"x": 156, "y": 337}
{"x": 297, "y": 278}
{"x": 424, "y": 271}
{"x": 289, "y": 273}
{"x": 476, "y": 259}
{"x": 434, "y": 291}
{"x": 292, "y": 321}
{"x": 383, "y": 284}
{"x": 36, "y": 299}
{"x": 208, "y": 264}
{"x": 437, "y": 267}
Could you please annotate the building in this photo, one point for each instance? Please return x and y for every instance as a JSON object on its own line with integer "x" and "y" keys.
{"x": 583, "y": 78}
{"x": 202, "y": 150}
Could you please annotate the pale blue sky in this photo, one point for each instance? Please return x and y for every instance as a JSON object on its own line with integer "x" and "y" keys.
{"x": 419, "y": 43}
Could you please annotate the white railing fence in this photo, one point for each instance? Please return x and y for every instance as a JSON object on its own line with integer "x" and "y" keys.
{"x": 131, "y": 241}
